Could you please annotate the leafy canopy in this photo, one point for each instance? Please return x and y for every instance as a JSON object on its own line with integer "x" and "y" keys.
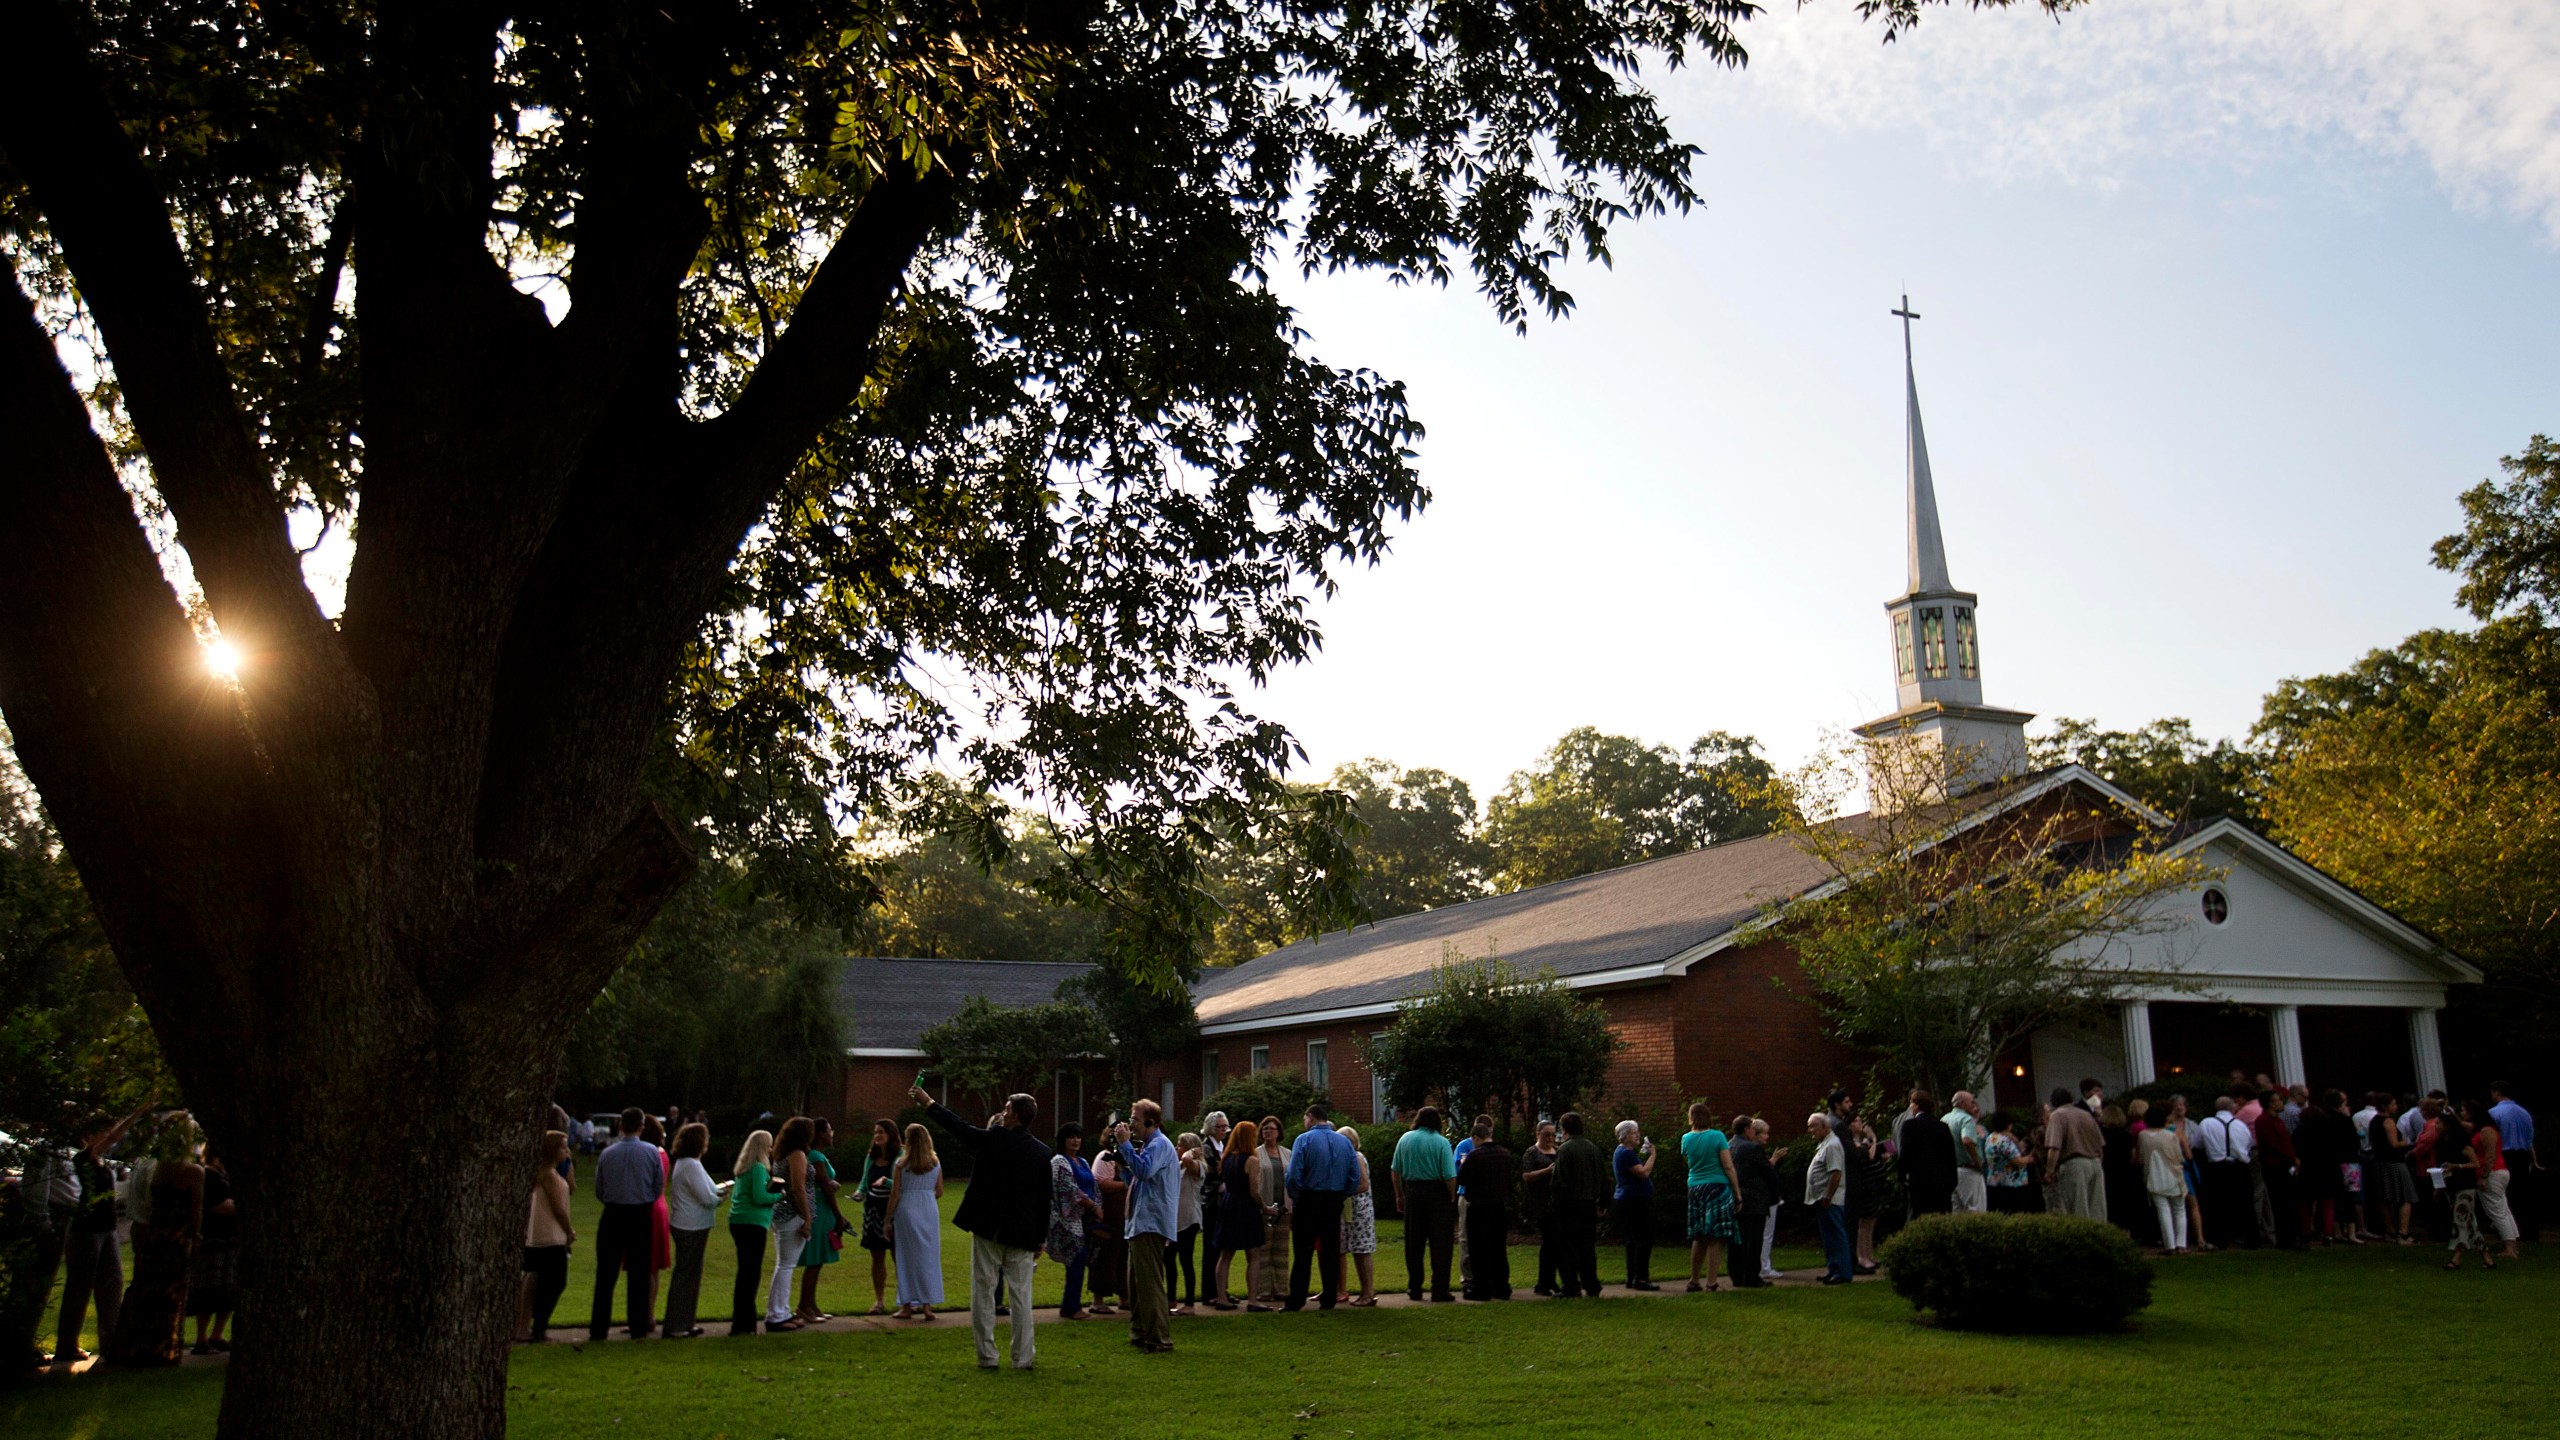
{"x": 990, "y": 1051}
{"x": 1595, "y": 802}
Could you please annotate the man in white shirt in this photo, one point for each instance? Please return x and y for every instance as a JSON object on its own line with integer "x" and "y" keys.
{"x": 1964, "y": 1121}
{"x": 1825, "y": 1189}
{"x": 2223, "y": 1146}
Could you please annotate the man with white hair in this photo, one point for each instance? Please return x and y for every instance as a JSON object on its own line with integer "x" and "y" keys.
{"x": 1964, "y": 1121}
{"x": 1824, "y": 1179}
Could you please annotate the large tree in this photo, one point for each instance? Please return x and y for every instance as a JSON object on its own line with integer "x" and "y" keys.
{"x": 1486, "y": 1039}
{"x": 1595, "y": 801}
{"x": 2165, "y": 765}
{"x": 869, "y": 379}
{"x": 2424, "y": 774}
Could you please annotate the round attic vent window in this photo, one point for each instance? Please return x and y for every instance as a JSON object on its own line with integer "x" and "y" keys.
{"x": 2217, "y": 906}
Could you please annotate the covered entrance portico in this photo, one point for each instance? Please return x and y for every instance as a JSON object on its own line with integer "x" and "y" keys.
{"x": 2272, "y": 968}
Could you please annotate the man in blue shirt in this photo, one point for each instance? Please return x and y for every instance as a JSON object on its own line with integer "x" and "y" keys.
{"x": 1154, "y": 1199}
{"x": 1322, "y": 1169}
{"x": 629, "y": 1176}
{"x": 2515, "y": 1137}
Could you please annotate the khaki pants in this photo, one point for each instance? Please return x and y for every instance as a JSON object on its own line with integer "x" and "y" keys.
{"x": 1150, "y": 1312}
{"x": 1973, "y": 1196}
{"x": 987, "y": 1261}
{"x": 2081, "y": 1188}
{"x": 1466, "y": 1270}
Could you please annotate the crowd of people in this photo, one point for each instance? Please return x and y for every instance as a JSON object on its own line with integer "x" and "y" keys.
{"x": 2270, "y": 1166}
{"x": 1245, "y": 1215}
{"x": 174, "y": 1201}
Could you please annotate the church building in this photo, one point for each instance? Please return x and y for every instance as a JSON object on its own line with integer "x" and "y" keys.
{"x": 2281, "y": 968}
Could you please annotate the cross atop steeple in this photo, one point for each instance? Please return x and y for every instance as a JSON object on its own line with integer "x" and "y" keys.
{"x": 1908, "y": 315}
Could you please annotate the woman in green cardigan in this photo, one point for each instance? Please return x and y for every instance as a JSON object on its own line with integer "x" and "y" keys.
{"x": 750, "y": 1226}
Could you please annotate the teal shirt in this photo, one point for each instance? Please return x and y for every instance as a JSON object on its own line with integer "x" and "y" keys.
{"x": 752, "y": 1199}
{"x": 1424, "y": 1155}
{"x": 1703, "y": 1149}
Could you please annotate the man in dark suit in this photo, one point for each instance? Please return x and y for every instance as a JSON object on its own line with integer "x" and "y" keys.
{"x": 1006, "y": 1212}
{"x": 1924, "y": 1153}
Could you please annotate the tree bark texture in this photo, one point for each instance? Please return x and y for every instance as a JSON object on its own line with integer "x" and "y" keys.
{"x": 364, "y": 891}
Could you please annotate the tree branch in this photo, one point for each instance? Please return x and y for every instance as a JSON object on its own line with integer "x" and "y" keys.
{"x": 100, "y": 676}
{"x": 624, "y": 583}
{"x": 64, "y": 140}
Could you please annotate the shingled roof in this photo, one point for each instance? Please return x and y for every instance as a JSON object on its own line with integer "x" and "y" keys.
{"x": 1590, "y": 926}
{"x": 1630, "y": 924}
{"x": 892, "y": 1002}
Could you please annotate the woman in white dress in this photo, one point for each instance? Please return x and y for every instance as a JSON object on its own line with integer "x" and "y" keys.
{"x": 915, "y": 1215}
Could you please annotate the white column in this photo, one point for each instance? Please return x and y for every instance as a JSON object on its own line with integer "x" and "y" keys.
{"x": 2139, "y": 1066}
{"x": 2426, "y": 1049}
{"x": 2284, "y": 1024}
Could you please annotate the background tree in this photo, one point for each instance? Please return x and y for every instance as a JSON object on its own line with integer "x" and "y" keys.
{"x": 1140, "y": 1022}
{"x": 989, "y": 1050}
{"x": 1416, "y": 847}
{"x": 937, "y": 900}
{"x": 788, "y": 363}
{"x": 2165, "y": 765}
{"x": 1488, "y": 1040}
{"x": 2424, "y": 776}
{"x": 1595, "y": 802}
{"x": 1936, "y": 952}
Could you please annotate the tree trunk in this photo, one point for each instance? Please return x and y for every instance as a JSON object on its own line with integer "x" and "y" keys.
{"x": 382, "y": 1207}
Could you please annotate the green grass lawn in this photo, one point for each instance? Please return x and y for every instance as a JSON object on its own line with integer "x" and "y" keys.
{"x": 2257, "y": 1344}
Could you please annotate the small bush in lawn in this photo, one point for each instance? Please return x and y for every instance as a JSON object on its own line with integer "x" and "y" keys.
{"x": 2027, "y": 1274}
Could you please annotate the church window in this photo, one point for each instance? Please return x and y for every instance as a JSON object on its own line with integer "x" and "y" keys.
{"x": 1902, "y": 646}
{"x": 1933, "y": 644}
{"x": 1968, "y": 664}
{"x": 2217, "y": 906}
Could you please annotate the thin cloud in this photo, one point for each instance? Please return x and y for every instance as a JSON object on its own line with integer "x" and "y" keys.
{"x": 2468, "y": 89}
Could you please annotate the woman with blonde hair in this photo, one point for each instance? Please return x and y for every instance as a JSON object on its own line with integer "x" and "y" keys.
{"x": 915, "y": 1214}
{"x": 1240, "y": 1230}
{"x": 1360, "y": 1225}
{"x": 750, "y": 1227}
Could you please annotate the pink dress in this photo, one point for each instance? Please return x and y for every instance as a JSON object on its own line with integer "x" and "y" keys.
{"x": 662, "y": 1240}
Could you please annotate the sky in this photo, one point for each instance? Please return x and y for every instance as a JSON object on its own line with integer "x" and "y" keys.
{"x": 2223, "y": 306}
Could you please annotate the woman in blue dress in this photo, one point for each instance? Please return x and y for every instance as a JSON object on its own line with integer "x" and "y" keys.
{"x": 915, "y": 1214}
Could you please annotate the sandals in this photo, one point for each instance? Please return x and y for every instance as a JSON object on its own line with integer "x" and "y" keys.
{"x": 878, "y": 1310}
{"x": 1695, "y": 1288}
{"x": 1365, "y": 1301}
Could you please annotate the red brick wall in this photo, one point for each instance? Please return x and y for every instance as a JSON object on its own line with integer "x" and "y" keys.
{"x": 1725, "y": 1032}
{"x": 1749, "y": 1040}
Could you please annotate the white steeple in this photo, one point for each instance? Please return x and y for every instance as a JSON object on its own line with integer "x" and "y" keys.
{"x": 1937, "y": 657}
{"x": 1928, "y": 546}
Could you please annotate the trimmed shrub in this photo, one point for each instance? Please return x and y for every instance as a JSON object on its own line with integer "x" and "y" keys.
{"x": 2020, "y": 1274}
{"x": 2201, "y": 1091}
{"x": 1283, "y": 1092}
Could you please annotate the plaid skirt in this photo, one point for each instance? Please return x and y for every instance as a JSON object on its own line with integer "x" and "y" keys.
{"x": 213, "y": 1278}
{"x": 1710, "y": 1212}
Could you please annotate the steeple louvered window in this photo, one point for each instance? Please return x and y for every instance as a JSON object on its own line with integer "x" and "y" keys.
{"x": 1968, "y": 663}
{"x": 1902, "y": 647}
{"x": 1933, "y": 643}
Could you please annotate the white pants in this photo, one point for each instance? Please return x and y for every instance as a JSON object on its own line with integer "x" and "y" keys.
{"x": 1769, "y": 1232}
{"x": 987, "y": 1261}
{"x": 790, "y": 1232}
{"x": 2500, "y": 1217}
{"x": 1972, "y": 1195}
{"x": 2171, "y": 1212}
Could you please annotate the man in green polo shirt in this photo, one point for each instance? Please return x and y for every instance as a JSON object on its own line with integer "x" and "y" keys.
{"x": 1425, "y": 1171}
